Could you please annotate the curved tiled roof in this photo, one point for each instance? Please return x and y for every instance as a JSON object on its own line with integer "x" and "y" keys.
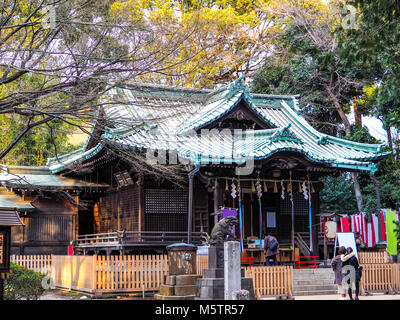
{"x": 151, "y": 117}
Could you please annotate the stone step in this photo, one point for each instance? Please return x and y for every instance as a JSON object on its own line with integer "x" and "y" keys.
{"x": 312, "y": 282}
{"x": 315, "y": 293}
{"x": 312, "y": 271}
{"x": 316, "y": 287}
{"x": 327, "y": 278}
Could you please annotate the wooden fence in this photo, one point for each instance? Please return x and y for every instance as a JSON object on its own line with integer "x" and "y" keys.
{"x": 201, "y": 264}
{"x": 382, "y": 277}
{"x": 130, "y": 272}
{"x": 74, "y": 272}
{"x": 372, "y": 257}
{"x": 37, "y": 263}
{"x": 101, "y": 274}
{"x": 271, "y": 281}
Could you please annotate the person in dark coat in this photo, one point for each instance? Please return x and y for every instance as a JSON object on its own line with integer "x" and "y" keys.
{"x": 271, "y": 247}
{"x": 336, "y": 265}
{"x": 350, "y": 259}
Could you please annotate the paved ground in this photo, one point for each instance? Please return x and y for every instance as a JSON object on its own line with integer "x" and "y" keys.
{"x": 375, "y": 296}
{"x": 65, "y": 295}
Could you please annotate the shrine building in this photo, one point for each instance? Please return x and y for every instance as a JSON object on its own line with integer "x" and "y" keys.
{"x": 205, "y": 151}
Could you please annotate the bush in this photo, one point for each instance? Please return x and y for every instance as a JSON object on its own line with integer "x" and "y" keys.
{"x": 23, "y": 284}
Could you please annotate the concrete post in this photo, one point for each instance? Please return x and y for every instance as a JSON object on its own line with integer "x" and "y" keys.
{"x": 232, "y": 278}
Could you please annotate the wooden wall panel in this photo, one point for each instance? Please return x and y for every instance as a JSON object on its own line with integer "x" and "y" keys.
{"x": 120, "y": 204}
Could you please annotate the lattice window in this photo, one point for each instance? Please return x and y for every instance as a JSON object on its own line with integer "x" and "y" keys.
{"x": 300, "y": 205}
{"x": 166, "y": 210}
{"x": 169, "y": 202}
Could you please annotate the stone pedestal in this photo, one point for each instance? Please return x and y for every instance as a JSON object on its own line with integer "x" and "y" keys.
{"x": 231, "y": 268}
{"x": 180, "y": 283}
{"x": 212, "y": 286}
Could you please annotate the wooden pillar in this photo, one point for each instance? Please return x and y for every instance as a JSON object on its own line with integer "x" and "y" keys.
{"x": 141, "y": 222}
{"x": 315, "y": 228}
{"x": 190, "y": 204}
{"x": 118, "y": 210}
{"x": 216, "y": 203}
{"x": 218, "y": 195}
{"x": 75, "y": 219}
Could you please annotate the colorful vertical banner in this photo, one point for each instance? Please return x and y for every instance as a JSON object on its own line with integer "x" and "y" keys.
{"x": 383, "y": 226}
{"x": 391, "y": 235}
{"x": 375, "y": 227}
{"x": 345, "y": 224}
{"x": 1, "y": 247}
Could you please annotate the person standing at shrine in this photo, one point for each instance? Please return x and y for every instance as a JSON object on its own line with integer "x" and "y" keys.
{"x": 271, "y": 247}
{"x": 350, "y": 259}
{"x": 337, "y": 265}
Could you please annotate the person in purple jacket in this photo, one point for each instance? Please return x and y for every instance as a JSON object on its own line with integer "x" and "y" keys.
{"x": 271, "y": 247}
{"x": 336, "y": 265}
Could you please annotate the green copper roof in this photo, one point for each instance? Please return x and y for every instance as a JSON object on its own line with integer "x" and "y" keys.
{"x": 34, "y": 177}
{"x": 147, "y": 117}
{"x": 9, "y": 200}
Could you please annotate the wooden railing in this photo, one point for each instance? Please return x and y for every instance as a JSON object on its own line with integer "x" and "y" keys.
{"x": 271, "y": 281}
{"x": 300, "y": 243}
{"x": 135, "y": 238}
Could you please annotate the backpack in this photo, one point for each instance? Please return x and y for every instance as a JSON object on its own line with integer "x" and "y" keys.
{"x": 273, "y": 245}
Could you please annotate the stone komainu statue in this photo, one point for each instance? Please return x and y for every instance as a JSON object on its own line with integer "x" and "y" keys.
{"x": 222, "y": 231}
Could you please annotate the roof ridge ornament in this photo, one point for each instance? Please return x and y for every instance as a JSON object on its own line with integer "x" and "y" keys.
{"x": 323, "y": 140}
{"x": 238, "y": 85}
{"x": 285, "y": 134}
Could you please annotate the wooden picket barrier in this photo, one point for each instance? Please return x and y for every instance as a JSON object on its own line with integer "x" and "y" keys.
{"x": 396, "y": 277}
{"x": 74, "y": 272}
{"x": 130, "y": 273}
{"x": 37, "y": 263}
{"x": 382, "y": 277}
{"x": 201, "y": 263}
{"x": 372, "y": 257}
{"x": 137, "y": 273}
{"x": 271, "y": 280}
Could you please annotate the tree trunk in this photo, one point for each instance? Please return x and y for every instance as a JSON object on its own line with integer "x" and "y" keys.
{"x": 346, "y": 122}
{"x": 357, "y": 115}
{"x": 340, "y": 111}
{"x": 389, "y": 137}
{"x": 357, "y": 191}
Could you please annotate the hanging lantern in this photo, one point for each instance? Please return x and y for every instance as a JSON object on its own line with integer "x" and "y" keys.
{"x": 312, "y": 188}
{"x": 226, "y": 185}
{"x": 289, "y": 187}
{"x": 265, "y": 187}
{"x": 253, "y": 189}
